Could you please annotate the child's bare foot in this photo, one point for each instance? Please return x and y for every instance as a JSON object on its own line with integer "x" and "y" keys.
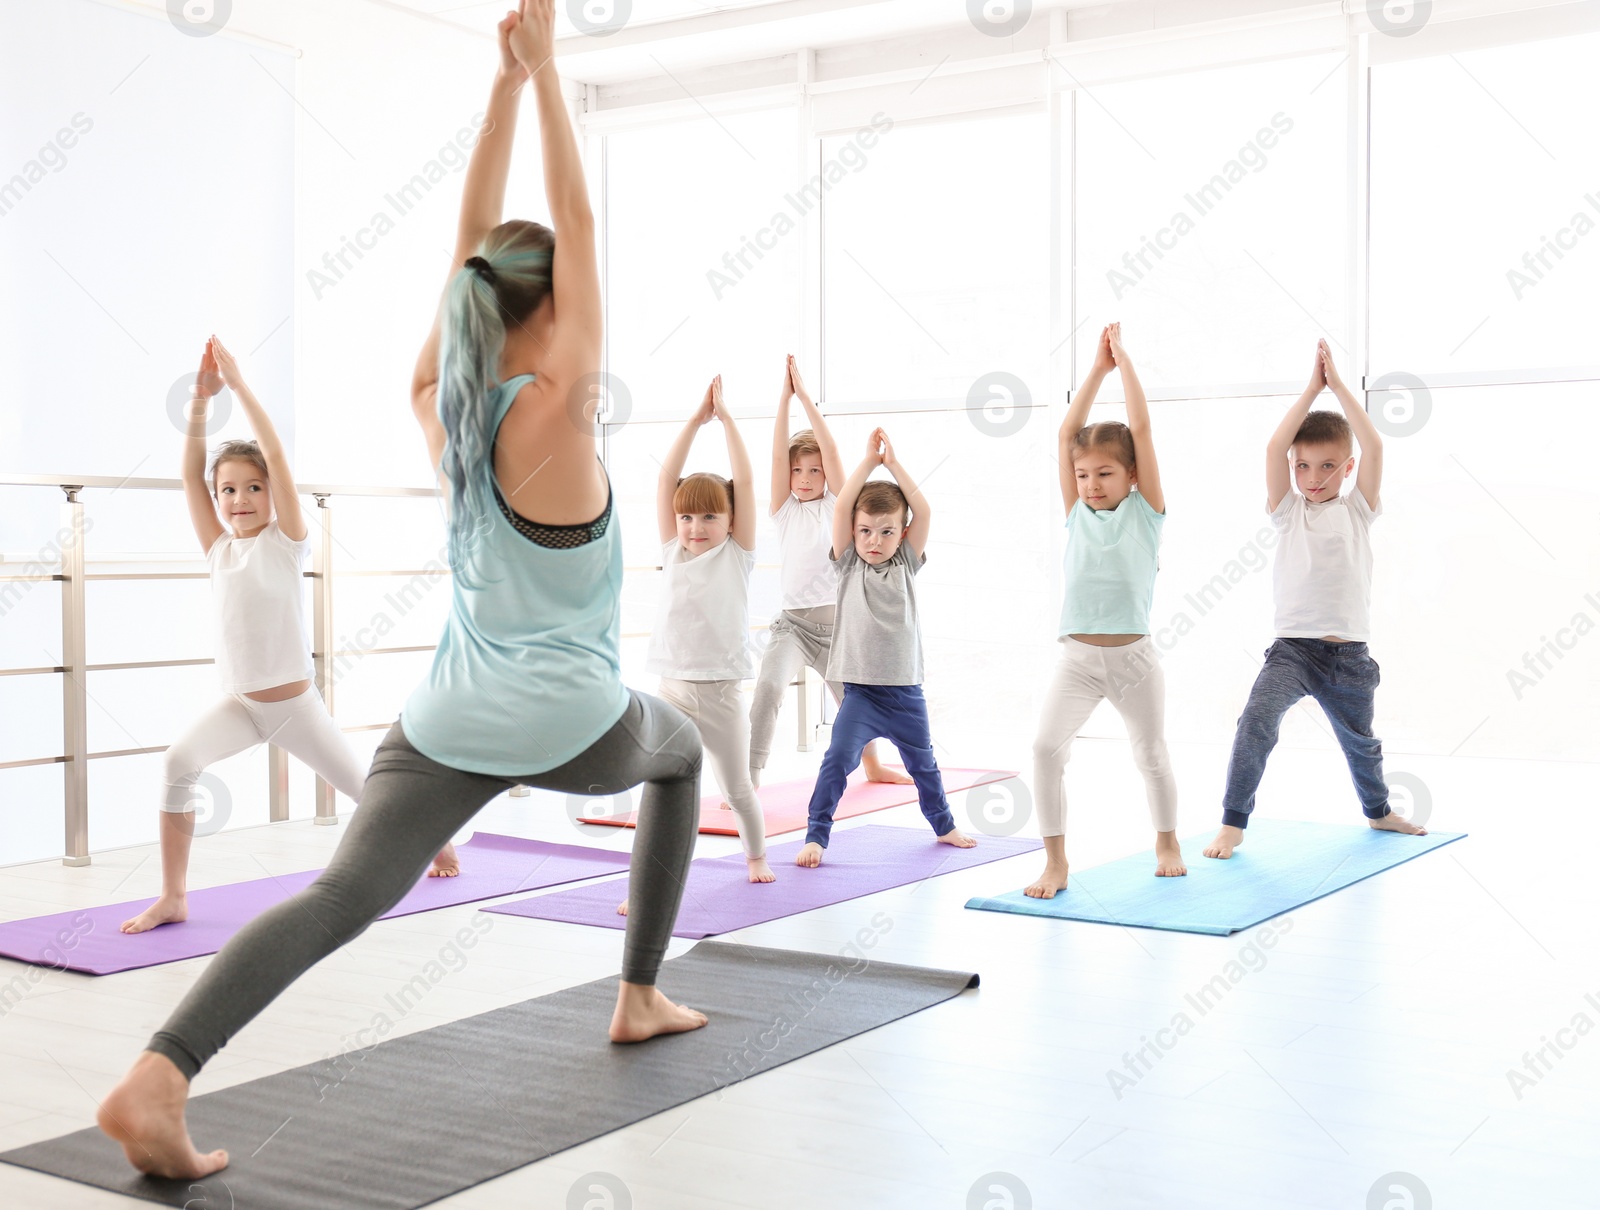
{"x": 144, "y": 1113}
{"x": 1396, "y": 823}
{"x": 810, "y": 855}
{"x": 169, "y": 909}
{"x": 760, "y": 871}
{"x": 622, "y": 908}
{"x": 643, "y": 1012}
{"x": 1169, "y": 856}
{"x": 954, "y": 836}
{"x": 1228, "y": 839}
{"x": 446, "y": 864}
{"x": 877, "y": 771}
{"x": 1047, "y": 884}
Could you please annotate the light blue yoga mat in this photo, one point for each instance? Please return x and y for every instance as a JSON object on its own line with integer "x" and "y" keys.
{"x": 1282, "y": 864}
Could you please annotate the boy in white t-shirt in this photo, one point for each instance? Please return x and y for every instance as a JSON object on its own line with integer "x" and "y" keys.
{"x": 1322, "y": 588}
{"x": 803, "y": 467}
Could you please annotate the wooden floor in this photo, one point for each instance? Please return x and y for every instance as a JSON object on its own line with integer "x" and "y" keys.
{"x": 1375, "y": 1040}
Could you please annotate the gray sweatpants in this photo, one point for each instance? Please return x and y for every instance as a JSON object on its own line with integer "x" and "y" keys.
{"x": 796, "y": 637}
{"x": 409, "y": 808}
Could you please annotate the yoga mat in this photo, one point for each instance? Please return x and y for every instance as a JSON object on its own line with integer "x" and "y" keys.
{"x": 786, "y": 804}
{"x": 90, "y": 940}
{"x": 719, "y": 896}
{"x": 1282, "y": 864}
{"x": 421, "y": 1117}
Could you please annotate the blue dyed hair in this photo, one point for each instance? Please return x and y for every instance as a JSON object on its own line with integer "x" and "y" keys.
{"x": 472, "y": 334}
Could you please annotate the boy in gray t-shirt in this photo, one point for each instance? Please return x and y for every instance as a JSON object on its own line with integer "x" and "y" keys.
{"x": 877, "y": 644}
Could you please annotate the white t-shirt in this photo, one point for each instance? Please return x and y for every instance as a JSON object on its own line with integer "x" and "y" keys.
{"x": 1322, "y": 575}
{"x": 805, "y": 532}
{"x": 702, "y": 629}
{"x": 261, "y": 626}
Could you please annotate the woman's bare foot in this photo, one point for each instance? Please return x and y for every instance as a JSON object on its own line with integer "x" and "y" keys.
{"x": 1169, "y": 856}
{"x": 1228, "y": 839}
{"x": 810, "y": 855}
{"x": 144, "y": 1113}
{"x": 446, "y": 864}
{"x": 1047, "y": 884}
{"x": 954, "y": 836}
{"x": 760, "y": 871}
{"x": 169, "y": 909}
{"x": 643, "y": 1012}
{"x": 622, "y": 908}
{"x": 1396, "y": 823}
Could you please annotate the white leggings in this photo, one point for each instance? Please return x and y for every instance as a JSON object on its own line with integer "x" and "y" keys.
{"x": 1131, "y": 679}
{"x": 299, "y": 725}
{"x": 717, "y": 708}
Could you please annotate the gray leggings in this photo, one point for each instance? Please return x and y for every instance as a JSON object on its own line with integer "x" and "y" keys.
{"x": 410, "y": 807}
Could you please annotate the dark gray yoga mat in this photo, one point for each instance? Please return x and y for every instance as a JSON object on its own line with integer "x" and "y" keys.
{"x": 418, "y": 1118}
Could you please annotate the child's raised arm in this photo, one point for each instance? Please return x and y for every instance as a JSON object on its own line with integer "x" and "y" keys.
{"x": 921, "y": 510}
{"x": 780, "y": 444}
{"x": 744, "y": 479}
{"x": 832, "y": 462}
{"x": 1078, "y": 415}
{"x": 1369, "y": 475}
{"x": 672, "y": 465}
{"x": 1144, "y": 446}
{"x": 196, "y": 492}
{"x": 285, "y": 497}
{"x": 1283, "y": 437}
{"x": 844, "y": 511}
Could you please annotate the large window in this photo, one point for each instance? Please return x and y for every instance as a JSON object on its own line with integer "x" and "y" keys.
{"x": 1486, "y": 230}
{"x": 1212, "y": 220}
{"x": 935, "y": 273}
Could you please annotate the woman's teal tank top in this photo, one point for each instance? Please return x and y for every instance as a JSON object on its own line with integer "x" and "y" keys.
{"x": 526, "y": 675}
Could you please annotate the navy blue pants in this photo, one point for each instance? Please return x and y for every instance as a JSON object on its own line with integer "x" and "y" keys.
{"x": 1342, "y": 678}
{"x": 898, "y": 713}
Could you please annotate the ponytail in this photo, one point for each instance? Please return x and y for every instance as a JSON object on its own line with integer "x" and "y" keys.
{"x": 509, "y": 280}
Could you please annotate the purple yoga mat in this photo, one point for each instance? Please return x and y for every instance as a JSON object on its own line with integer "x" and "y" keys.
{"x": 90, "y": 940}
{"x": 719, "y": 896}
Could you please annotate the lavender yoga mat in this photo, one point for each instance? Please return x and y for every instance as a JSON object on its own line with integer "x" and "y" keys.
{"x": 90, "y": 940}
{"x": 719, "y": 896}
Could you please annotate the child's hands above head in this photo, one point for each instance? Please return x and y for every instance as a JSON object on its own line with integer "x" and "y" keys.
{"x": 208, "y": 381}
{"x": 1319, "y": 371}
{"x": 224, "y": 363}
{"x": 797, "y": 385}
{"x": 708, "y": 403}
{"x": 887, "y": 457}
{"x": 1113, "y": 339}
{"x": 509, "y": 65}
{"x": 532, "y": 36}
{"x": 719, "y": 409}
{"x": 1104, "y": 360}
{"x": 1330, "y": 373}
{"x": 875, "y": 441}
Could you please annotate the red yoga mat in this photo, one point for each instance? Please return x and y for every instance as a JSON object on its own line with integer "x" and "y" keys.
{"x": 785, "y": 803}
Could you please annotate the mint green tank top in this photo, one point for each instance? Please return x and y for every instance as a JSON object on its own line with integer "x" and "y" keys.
{"x": 526, "y": 675}
{"x": 1110, "y": 567}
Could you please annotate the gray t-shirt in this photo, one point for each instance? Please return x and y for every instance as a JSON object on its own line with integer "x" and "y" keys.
{"x": 877, "y": 639}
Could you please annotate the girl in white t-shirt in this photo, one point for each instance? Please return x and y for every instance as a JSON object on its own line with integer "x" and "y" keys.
{"x": 257, "y": 560}
{"x": 803, "y": 467}
{"x": 700, "y": 643}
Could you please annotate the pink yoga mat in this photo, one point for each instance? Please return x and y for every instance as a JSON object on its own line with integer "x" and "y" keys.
{"x": 785, "y": 803}
{"x": 719, "y": 896}
{"x": 90, "y": 940}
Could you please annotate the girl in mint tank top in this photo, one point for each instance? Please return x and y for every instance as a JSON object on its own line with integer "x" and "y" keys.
{"x": 1111, "y": 486}
{"x": 525, "y": 685}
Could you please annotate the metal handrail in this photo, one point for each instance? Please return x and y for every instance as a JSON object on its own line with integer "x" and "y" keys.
{"x": 73, "y": 577}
